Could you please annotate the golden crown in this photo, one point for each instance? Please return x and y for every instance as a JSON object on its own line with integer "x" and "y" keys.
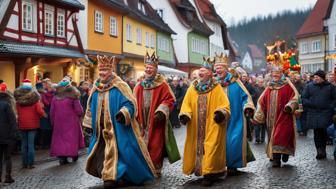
{"x": 106, "y": 63}
{"x": 151, "y": 60}
{"x": 222, "y": 59}
{"x": 208, "y": 63}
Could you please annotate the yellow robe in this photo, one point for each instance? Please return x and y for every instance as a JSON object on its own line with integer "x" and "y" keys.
{"x": 213, "y": 139}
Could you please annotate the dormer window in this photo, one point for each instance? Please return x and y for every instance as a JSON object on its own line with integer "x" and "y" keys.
{"x": 141, "y": 7}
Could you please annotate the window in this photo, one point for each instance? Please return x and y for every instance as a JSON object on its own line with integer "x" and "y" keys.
{"x": 163, "y": 44}
{"x": 139, "y": 36}
{"x": 152, "y": 41}
{"x": 304, "y": 48}
{"x": 84, "y": 74}
{"x": 60, "y": 24}
{"x": 141, "y": 7}
{"x": 99, "y": 22}
{"x": 129, "y": 32}
{"x": 160, "y": 12}
{"x": 48, "y": 22}
{"x": 316, "y": 46}
{"x": 27, "y": 16}
{"x": 199, "y": 46}
{"x": 147, "y": 39}
{"x": 113, "y": 26}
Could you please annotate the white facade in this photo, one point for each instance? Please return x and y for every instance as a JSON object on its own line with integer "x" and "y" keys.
{"x": 312, "y": 53}
{"x": 82, "y": 23}
{"x": 180, "y": 41}
{"x": 216, "y": 39}
{"x": 331, "y": 24}
{"x": 247, "y": 61}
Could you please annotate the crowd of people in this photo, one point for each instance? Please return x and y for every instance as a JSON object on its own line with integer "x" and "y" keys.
{"x": 125, "y": 125}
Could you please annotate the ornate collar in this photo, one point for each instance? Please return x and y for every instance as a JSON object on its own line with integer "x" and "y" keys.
{"x": 204, "y": 87}
{"x": 277, "y": 84}
{"x": 152, "y": 82}
{"x": 224, "y": 82}
{"x": 102, "y": 87}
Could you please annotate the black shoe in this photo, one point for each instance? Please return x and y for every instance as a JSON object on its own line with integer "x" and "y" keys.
{"x": 63, "y": 161}
{"x": 276, "y": 163}
{"x": 232, "y": 171}
{"x": 9, "y": 179}
{"x": 108, "y": 184}
{"x": 321, "y": 154}
{"x": 285, "y": 157}
{"x": 257, "y": 141}
{"x": 30, "y": 167}
{"x": 74, "y": 159}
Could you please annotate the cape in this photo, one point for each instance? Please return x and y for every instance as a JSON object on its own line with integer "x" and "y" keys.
{"x": 238, "y": 152}
{"x": 280, "y": 125}
{"x": 159, "y": 98}
{"x": 116, "y": 151}
{"x": 205, "y": 151}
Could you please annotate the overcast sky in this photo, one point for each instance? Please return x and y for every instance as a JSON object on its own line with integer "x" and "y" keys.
{"x": 235, "y": 10}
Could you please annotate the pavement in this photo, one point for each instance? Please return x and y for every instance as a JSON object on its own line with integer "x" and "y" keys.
{"x": 301, "y": 171}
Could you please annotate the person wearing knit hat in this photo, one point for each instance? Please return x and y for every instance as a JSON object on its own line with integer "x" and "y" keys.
{"x": 3, "y": 87}
{"x": 26, "y": 84}
{"x": 318, "y": 100}
{"x": 205, "y": 111}
{"x": 321, "y": 74}
{"x": 66, "y": 82}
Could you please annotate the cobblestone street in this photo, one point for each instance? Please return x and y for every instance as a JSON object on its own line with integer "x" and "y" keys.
{"x": 302, "y": 171}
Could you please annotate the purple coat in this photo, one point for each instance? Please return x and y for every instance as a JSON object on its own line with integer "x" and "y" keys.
{"x": 67, "y": 137}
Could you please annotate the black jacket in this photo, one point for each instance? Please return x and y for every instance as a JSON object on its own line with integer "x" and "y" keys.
{"x": 8, "y": 127}
{"x": 318, "y": 102}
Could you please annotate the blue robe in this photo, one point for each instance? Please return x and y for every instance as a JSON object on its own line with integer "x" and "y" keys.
{"x": 131, "y": 162}
{"x": 238, "y": 152}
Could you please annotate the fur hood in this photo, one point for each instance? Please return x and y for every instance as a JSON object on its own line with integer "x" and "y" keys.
{"x": 26, "y": 97}
{"x": 6, "y": 96}
{"x": 69, "y": 92}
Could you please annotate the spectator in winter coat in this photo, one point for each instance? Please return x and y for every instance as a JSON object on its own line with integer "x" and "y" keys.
{"x": 318, "y": 100}
{"x": 30, "y": 110}
{"x": 260, "y": 129}
{"x": 65, "y": 114}
{"x": 8, "y": 130}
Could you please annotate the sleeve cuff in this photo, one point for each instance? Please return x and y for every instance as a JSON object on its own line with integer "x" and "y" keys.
{"x": 293, "y": 105}
{"x": 185, "y": 114}
{"x": 87, "y": 120}
{"x": 127, "y": 115}
{"x": 164, "y": 109}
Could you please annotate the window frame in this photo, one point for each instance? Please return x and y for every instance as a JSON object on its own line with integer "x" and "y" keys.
{"x": 58, "y": 29}
{"x": 98, "y": 21}
{"x": 313, "y": 49}
{"x": 302, "y": 49}
{"x": 147, "y": 38}
{"x": 152, "y": 41}
{"x": 113, "y": 26}
{"x": 26, "y": 22}
{"x": 128, "y": 32}
{"x": 49, "y": 23}
{"x": 139, "y": 36}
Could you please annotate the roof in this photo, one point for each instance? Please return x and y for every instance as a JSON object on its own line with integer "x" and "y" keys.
{"x": 187, "y": 15}
{"x": 208, "y": 11}
{"x": 22, "y": 49}
{"x": 255, "y": 51}
{"x": 314, "y": 24}
{"x": 119, "y": 5}
{"x": 150, "y": 17}
{"x": 72, "y": 3}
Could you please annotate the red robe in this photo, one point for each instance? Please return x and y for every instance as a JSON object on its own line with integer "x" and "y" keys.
{"x": 280, "y": 125}
{"x": 161, "y": 99}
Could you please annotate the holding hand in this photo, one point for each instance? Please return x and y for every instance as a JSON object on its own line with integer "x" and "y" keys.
{"x": 219, "y": 117}
{"x": 288, "y": 109}
{"x": 184, "y": 119}
{"x": 121, "y": 118}
{"x": 159, "y": 116}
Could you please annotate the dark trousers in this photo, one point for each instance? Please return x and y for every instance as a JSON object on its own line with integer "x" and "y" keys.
{"x": 249, "y": 130}
{"x": 260, "y": 129}
{"x": 5, "y": 156}
{"x": 320, "y": 137}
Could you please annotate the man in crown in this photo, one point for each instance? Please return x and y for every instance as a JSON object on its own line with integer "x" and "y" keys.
{"x": 155, "y": 102}
{"x": 117, "y": 152}
{"x": 238, "y": 152}
{"x": 276, "y": 107}
{"x": 205, "y": 111}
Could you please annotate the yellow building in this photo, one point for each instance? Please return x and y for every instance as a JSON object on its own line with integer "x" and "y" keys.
{"x": 140, "y": 29}
{"x": 101, "y": 30}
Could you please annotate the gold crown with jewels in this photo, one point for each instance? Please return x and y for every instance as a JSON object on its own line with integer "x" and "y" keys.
{"x": 106, "y": 62}
{"x": 222, "y": 59}
{"x": 151, "y": 60}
